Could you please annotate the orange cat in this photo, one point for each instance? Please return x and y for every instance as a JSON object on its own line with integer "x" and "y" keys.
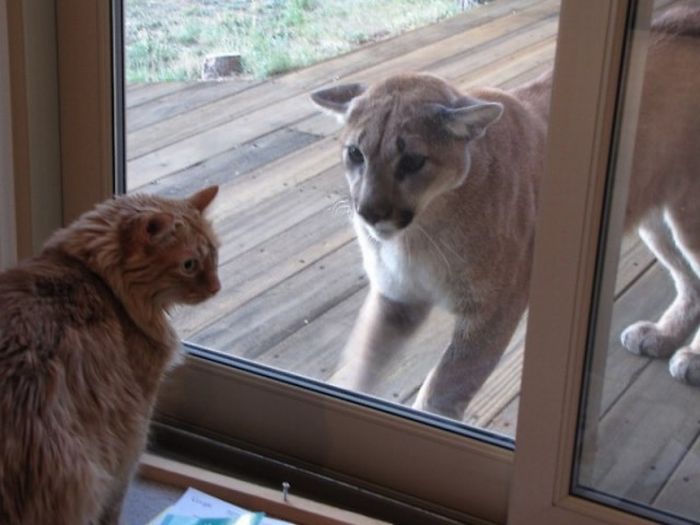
{"x": 84, "y": 345}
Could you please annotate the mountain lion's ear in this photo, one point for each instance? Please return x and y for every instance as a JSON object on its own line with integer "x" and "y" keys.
{"x": 336, "y": 100}
{"x": 470, "y": 121}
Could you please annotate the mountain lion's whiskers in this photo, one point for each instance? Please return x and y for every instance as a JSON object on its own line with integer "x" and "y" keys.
{"x": 437, "y": 248}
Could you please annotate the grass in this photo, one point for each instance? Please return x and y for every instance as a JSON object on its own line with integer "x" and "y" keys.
{"x": 167, "y": 40}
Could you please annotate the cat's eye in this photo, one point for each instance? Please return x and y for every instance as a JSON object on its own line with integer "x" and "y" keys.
{"x": 189, "y": 265}
{"x": 355, "y": 155}
{"x": 411, "y": 163}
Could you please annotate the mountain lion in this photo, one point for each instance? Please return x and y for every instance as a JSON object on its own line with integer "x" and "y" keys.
{"x": 444, "y": 191}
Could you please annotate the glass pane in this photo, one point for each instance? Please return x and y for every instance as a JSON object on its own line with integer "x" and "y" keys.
{"x": 639, "y": 442}
{"x": 219, "y": 92}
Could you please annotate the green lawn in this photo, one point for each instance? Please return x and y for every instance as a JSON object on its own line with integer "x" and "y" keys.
{"x": 168, "y": 39}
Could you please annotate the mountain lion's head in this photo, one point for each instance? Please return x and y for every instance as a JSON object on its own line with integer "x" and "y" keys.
{"x": 404, "y": 143}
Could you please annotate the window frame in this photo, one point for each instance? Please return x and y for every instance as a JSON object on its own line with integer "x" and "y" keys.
{"x": 569, "y": 252}
{"x": 31, "y": 170}
{"x": 431, "y": 467}
{"x": 87, "y": 87}
{"x": 8, "y": 226}
{"x": 57, "y": 118}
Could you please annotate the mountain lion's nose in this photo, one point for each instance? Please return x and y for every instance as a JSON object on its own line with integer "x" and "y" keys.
{"x": 405, "y": 218}
{"x": 374, "y": 213}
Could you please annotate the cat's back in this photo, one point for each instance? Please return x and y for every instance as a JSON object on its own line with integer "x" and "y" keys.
{"x": 44, "y": 298}
{"x": 42, "y": 280}
{"x": 48, "y": 388}
{"x": 61, "y": 340}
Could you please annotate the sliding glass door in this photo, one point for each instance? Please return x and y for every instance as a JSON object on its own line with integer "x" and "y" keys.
{"x": 261, "y": 357}
{"x": 611, "y": 410}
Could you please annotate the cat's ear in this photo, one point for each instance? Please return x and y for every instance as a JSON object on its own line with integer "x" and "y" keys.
{"x": 336, "y": 100}
{"x": 203, "y": 198}
{"x": 471, "y": 120}
{"x": 155, "y": 225}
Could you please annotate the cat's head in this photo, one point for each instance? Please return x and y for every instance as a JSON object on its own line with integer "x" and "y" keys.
{"x": 154, "y": 252}
{"x": 170, "y": 247}
{"x": 404, "y": 143}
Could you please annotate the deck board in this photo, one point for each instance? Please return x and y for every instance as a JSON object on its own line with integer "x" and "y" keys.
{"x": 622, "y": 368}
{"x": 265, "y": 320}
{"x": 265, "y": 265}
{"x": 169, "y": 104}
{"x": 680, "y": 492}
{"x": 238, "y": 168}
{"x": 142, "y": 93}
{"x": 291, "y": 269}
{"x": 645, "y": 435}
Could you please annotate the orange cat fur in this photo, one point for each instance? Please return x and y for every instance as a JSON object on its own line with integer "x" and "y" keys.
{"x": 84, "y": 345}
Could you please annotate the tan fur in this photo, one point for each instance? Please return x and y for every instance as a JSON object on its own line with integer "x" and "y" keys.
{"x": 665, "y": 186}
{"x": 469, "y": 245}
{"x": 84, "y": 345}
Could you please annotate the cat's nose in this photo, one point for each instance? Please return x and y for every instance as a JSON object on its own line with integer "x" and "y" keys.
{"x": 374, "y": 213}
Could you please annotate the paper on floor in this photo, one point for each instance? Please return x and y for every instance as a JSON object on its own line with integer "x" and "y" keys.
{"x": 197, "y": 508}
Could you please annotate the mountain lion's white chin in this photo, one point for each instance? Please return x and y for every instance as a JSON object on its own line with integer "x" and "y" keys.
{"x": 383, "y": 230}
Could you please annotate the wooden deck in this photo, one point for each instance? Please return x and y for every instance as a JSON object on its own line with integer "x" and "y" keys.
{"x": 291, "y": 270}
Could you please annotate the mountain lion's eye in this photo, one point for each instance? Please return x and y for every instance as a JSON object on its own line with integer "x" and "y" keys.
{"x": 411, "y": 163}
{"x": 190, "y": 265}
{"x": 355, "y": 155}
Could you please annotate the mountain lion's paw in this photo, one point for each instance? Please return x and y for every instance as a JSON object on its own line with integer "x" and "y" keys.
{"x": 685, "y": 366}
{"x": 644, "y": 338}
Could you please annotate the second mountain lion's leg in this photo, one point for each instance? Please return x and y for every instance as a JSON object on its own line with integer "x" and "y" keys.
{"x": 663, "y": 337}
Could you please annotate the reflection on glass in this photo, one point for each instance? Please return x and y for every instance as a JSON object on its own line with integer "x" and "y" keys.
{"x": 639, "y": 446}
{"x": 219, "y": 93}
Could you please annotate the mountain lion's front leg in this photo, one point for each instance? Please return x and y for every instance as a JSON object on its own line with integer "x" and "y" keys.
{"x": 473, "y": 353}
{"x": 382, "y": 327}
